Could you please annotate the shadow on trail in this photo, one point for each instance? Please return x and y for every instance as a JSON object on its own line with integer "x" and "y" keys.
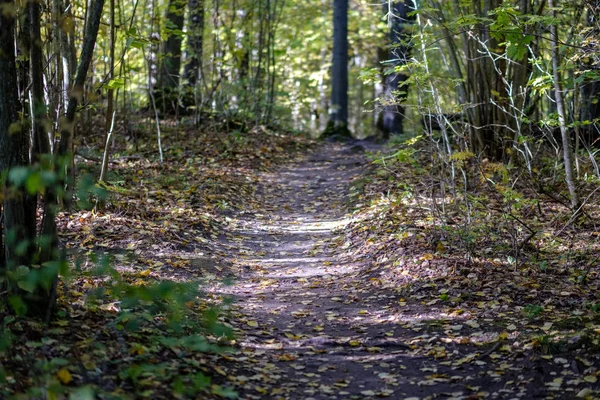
{"x": 312, "y": 325}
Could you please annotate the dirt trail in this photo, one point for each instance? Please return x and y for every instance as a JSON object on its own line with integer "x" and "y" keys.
{"x": 309, "y": 327}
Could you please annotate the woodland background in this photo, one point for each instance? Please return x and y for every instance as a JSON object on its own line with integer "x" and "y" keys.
{"x": 109, "y": 107}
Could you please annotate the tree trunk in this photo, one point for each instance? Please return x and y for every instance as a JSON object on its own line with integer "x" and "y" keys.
{"x": 14, "y": 150}
{"x": 338, "y": 112}
{"x": 76, "y": 92}
{"x": 108, "y": 123}
{"x": 41, "y": 144}
{"x": 560, "y": 108}
{"x": 170, "y": 65}
{"x": 590, "y": 89}
{"x": 42, "y": 299}
{"x": 399, "y": 54}
{"x": 195, "y": 43}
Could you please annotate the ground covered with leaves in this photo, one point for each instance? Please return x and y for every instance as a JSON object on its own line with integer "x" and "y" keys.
{"x": 267, "y": 266}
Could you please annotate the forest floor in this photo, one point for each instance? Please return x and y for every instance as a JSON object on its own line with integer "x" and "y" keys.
{"x": 317, "y": 317}
{"x": 321, "y": 279}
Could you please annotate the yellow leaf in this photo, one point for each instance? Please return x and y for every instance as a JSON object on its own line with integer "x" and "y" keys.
{"x": 590, "y": 379}
{"x": 253, "y": 324}
{"x": 220, "y": 371}
{"x": 261, "y": 390}
{"x": 292, "y": 336}
{"x": 287, "y": 357}
{"x": 64, "y": 376}
{"x": 89, "y": 365}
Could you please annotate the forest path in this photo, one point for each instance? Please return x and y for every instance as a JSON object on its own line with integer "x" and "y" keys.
{"x": 309, "y": 326}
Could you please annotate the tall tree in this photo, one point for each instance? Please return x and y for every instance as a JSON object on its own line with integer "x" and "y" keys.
{"x": 14, "y": 145}
{"x": 560, "y": 108}
{"x": 170, "y": 62}
{"x": 195, "y": 40}
{"x": 19, "y": 206}
{"x": 76, "y": 91}
{"x": 110, "y": 113}
{"x": 590, "y": 89}
{"x": 338, "y": 112}
{"x": 401, "y": 18}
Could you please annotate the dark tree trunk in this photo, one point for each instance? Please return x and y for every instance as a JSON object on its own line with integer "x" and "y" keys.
{"x": 590, "y": 110}
{"x": 14, "y": 150}
{"x": 41, "y": 144}
{"x": 395, "y": 88}
{"x": 486, "y": 86}
{"x": 338, "y": 112}
{"x": 23, "y": 61}
{"x": 195, "y": 42}
{"x": 590, "y": 89}
{"x": 76, "y": 92}
{"x": 170, "y": 65}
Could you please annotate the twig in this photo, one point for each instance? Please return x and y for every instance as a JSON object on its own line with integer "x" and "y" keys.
{"x": 527, "y": 239}
{"x": 105, "y": 157}
{"x": 577, "y": 212}
{"x": 113, "y": 161}
{"x": 490, "y": 351}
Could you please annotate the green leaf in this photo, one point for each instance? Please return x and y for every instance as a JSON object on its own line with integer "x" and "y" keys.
{"x": 27, "y": 285}
{"x": 5, "y": 340}
{"x": 201, "y": 381}
{"x": 83, "y": 393}
{"x": 18, "y": 175}
{"x": 116, "y": 83}
{"x": 48, "y": 178}
{"x": 34, "y": 183}
{"x": 227, "y": 393}
{"x": 17, "y": 304}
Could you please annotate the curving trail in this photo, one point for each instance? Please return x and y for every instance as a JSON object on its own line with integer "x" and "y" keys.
{"x": 310, "y": 326}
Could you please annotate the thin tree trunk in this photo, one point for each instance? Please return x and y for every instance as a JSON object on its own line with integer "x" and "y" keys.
{"x": 76, "y": 92}
{"x": 110, "y": 117}
{"x": 40, "y": 138}
{"x": 560, "y": 109}
{"x": 45, "y": 298}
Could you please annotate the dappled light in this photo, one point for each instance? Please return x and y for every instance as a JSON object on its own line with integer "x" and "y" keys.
{"x": 299, "y": 200}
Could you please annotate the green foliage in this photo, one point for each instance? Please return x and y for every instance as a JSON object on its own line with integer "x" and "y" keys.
{"x": 508, "y": 28}
{"x": 533, "y": 311}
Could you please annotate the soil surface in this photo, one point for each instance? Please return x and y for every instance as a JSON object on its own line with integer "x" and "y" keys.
{"x": 311, "y": 324}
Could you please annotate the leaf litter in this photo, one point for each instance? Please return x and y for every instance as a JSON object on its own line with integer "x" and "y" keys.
{"x": 332, "y": 289}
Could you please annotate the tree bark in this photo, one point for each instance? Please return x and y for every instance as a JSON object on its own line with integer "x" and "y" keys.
{"x": 338, "y": 112}
{"x": 590, "y": 89}
{"x": 76, "y": 92}
{"x": 40, "y": 138}
{"x": 560, "y": 109}
{"x": 110, "y": 95}
{"x": 14, "y": 148}
{"x": 399, "y": 54}
{"x": 171, "y": 49}
{"x": 195, "y": 41}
